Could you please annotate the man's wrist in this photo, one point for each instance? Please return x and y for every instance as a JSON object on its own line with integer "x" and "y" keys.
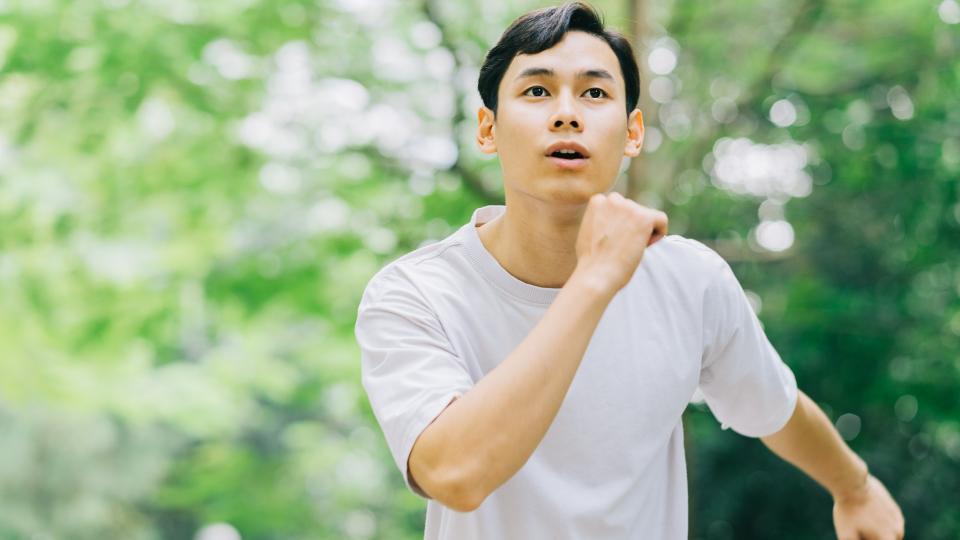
{"x": 855, "y": 485}
{"x": 592, "y": 284}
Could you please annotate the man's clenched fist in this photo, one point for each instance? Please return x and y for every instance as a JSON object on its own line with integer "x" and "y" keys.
{"x": 613, "y": 235}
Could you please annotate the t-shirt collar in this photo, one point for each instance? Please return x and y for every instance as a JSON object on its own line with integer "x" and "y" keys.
{"x": 488, "y": 265}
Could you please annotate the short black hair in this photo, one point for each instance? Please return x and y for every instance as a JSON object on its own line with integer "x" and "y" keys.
{"x": 539, "y": 30}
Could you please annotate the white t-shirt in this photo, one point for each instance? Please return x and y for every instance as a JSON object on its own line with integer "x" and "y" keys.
{"x": 432, "y": 323}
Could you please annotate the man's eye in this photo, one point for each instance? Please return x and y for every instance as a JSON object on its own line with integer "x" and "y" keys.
{"x": 597, "y": 92}
{"x": 536, "y": 91}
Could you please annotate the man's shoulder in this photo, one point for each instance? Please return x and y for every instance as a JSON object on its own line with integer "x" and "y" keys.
{"x": 687, "y": 254}
{"x": 410, "y": 270}
{"x": 432, "y": 252}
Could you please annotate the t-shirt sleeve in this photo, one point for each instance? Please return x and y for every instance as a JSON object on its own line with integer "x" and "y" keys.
{"x": 742, "y": 378}
{"x": 409, "y": 370}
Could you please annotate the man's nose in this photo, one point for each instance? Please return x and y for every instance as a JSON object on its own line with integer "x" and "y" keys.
{"x": 566, "y": 115}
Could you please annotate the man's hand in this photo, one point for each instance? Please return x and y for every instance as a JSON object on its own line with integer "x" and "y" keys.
{"x": 613, "y": 236}
{"x": 869, "y": 513}
{"x": 863, "y": 509}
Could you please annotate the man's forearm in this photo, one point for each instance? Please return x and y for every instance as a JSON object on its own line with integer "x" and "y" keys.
{"x": 811, "y": 443}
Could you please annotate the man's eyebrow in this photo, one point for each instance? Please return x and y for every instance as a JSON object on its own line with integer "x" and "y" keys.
{"x": 546, "y": 72}
{"x": 535, "y": 72}
{"x": 595, "y": 74}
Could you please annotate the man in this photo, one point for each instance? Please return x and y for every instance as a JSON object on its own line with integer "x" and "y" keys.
{"x": 530, "y": 370}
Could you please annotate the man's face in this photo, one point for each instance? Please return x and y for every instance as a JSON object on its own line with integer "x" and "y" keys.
{"x": 570, "y": 98}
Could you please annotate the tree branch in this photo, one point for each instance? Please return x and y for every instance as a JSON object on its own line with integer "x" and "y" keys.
{"x": 471, "y": 179}
{"x": 806, "y": 18}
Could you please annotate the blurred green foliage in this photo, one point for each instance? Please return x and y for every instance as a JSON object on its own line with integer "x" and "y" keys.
{"x": 193, "y": 195}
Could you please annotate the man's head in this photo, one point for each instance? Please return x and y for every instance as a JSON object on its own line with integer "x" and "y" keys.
{"x": 540, "y": 30}
{"x": 555, "y": 89}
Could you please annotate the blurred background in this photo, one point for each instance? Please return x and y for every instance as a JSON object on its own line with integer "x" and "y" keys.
{"x": 194, "y": 194}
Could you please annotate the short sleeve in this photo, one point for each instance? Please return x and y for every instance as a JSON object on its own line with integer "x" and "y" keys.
{"x": 408, "y": 368}
{"x": 742, "y": 378}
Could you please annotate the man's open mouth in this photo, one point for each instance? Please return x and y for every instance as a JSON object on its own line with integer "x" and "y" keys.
{"x": 567, "y": 154}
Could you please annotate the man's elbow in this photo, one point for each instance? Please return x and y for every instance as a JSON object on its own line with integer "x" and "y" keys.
{"x": 447, "y": 475}
{"x": 449, "y": 486}
{"x": 462, "y": 498}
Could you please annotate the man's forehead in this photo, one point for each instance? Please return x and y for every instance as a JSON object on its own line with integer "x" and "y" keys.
{"x": 577, "y": 53}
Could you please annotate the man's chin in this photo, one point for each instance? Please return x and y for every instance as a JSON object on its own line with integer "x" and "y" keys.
{"x": 569, "y": 190}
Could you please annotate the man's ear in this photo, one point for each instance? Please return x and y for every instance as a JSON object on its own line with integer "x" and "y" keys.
{"x": 634, "y": 134}
{"x": 485, "y": 131}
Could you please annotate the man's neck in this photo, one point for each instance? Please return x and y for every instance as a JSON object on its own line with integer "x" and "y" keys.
{"x": 534, "y": 241}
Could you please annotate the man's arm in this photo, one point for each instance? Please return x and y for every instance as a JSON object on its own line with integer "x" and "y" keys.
{"x": 483, "y": 438}
{"x": 862, "y": 506}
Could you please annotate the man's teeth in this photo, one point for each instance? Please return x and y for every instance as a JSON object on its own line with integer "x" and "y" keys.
{"x": 567, "y": 154}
